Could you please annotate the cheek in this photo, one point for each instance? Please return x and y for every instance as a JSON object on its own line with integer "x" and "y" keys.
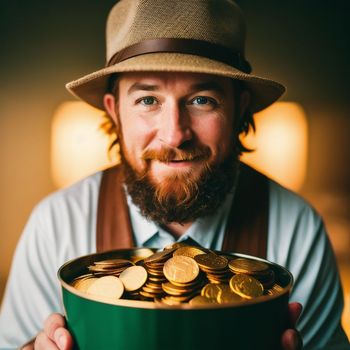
{"x": 218, "y": 135}
{"x": 136, "y": 134}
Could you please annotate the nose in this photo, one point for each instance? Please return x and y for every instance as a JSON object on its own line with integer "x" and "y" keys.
{"x": 175, "y": 128}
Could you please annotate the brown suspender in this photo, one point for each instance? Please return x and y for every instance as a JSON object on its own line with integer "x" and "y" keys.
{"x": 113, "y": 229}
{"x": 247, "y": 224}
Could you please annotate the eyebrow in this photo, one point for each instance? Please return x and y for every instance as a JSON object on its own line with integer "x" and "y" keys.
{"x": 142, "y": 87}
{"x": 205, "y": 86}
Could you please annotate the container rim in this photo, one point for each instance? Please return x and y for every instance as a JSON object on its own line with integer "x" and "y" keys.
{"x": 155, "y": 305}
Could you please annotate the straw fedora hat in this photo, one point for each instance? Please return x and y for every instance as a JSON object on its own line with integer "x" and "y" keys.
{"x": 198, "y": 36}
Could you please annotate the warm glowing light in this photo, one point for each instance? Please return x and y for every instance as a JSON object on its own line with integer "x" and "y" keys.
{"x": 78, "y": 146}
{"x": 280, "y": 143}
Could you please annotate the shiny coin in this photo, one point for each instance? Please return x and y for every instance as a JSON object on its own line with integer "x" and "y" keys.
{"x": 274, "y": 290}
{"x": 246, "y": 286}
{"x": 107, "y": 288}
{"x": 148, "y": 295}
{"x": 133, "y": 278}
{"x": 141, "y": 253}
{"x": 159, "y": 256}
{"x": 188, "y": 251}
{"x": 210, "y": 290}
{"x": 168, "y": 300}
{"x": 83, "y": 284}
{"x": 277, "y": 288}
{"x": 181, "y": 269}
{"x": 201, "y": 300}
{"x": 242, "y": 265}
{"x": 152, "y": 289}
{"x": 175, "y": 245}
{"x": 211, "y": 261}
{"x": 226, "y": 296}
{"x": 172, "y": 289}
{"x": 114, "y": 262}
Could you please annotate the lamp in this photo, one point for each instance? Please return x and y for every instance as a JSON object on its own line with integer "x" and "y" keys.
{"x": 280, "y": 144}
{"x": 78, "y": 147}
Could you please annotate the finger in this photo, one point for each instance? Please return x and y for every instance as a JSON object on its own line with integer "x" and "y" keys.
{"x": 291, "y": 340}
{"x": 63, "y": 339}
{"x": 43, "y": 342}
{"x": 53, "y": 322}
{"x": 295, "y": 310}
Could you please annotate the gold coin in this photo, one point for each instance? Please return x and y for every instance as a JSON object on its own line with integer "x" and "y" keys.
{"x": 188, "y": 251}
{"x": 152, "y": 289}
{"x": 141, "y": 253}
{"x": 80, "y": 278}
{"x": 191, "y": 284}
{"x": 148, "y": 295}
{"x": 211, "y": 261}
{"x": 277, "y": 288}
{"x": 168, "y": 300}
{"x": 107, "y": 288}
{"x": 242, "y": 265}
{"x": 246, "y": 286}
{"x": 159, "y": 279}
{"x": 133, "y": 278}
{"x": 83, "y": 284}
{"x": 181, "y": 269}
{"x": 274, "y": 290}
{"x": 172, "y": 289}
{"x": 226, "y": 296}
{"x": 160, "y": 256}
{"x": 201, "y": 300}
{"x": 114, "y": 262}
{"x": 175, "y": 245}
{"x": 103, "y": 272}
{"x": 210, "y": 291}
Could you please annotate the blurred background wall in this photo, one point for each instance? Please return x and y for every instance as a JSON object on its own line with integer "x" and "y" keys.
{"x": 304, "y": 45}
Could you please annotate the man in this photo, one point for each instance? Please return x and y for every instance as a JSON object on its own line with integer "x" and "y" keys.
{"x": 179, "y": 92}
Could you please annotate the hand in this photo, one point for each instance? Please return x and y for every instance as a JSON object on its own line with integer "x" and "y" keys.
{"x": 54, "y": 336}
{"x": 291, "y": 339}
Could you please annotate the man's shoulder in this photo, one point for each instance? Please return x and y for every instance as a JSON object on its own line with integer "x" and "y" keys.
{"x": 80, "y": 194}
{"x": 290, "y": 214}
{"x": 284, "y": 198}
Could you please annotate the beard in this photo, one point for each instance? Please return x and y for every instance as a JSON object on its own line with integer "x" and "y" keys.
{"x": 181, "y": 197}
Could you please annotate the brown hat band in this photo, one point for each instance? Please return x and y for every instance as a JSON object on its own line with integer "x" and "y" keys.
{"x": 186, "y": 46}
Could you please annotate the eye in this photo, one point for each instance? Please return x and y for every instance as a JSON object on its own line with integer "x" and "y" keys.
{"x": 203, "y": 100}
{"x": 147, "y": 101}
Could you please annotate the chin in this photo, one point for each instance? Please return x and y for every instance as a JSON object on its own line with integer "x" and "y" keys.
{"x": 176, "y": 174}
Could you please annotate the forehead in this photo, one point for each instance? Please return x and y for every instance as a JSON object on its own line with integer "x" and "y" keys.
{"x": 181, "y": 80}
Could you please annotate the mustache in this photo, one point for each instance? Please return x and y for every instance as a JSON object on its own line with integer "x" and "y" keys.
{"x": 167, "y": 154}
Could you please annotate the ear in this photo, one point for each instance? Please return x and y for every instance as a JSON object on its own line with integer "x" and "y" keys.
{"x": 110, "y": 107}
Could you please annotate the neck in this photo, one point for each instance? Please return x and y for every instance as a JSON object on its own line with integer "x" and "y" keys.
{"x": 176, "y": 229}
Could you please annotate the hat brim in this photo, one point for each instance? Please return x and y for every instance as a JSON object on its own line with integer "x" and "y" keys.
{"x": 92, "y": 87}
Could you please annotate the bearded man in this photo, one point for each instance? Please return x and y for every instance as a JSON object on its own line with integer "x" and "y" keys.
{"x": 179, "y": 92}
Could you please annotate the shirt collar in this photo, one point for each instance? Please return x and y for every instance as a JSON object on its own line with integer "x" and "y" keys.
{"x": 143, "y": 228}
{"x": 206, "y": 231}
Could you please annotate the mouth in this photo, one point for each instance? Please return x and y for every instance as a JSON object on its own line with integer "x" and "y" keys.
{"x": 181, "y": 162}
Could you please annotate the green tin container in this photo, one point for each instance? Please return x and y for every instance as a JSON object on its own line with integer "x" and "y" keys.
{"x": 135, "y": 325}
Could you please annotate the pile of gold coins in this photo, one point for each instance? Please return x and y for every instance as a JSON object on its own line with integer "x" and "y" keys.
{"x": 179, "y": 274}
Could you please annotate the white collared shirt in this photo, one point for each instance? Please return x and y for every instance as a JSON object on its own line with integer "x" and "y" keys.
{"x": 63, "y": 227}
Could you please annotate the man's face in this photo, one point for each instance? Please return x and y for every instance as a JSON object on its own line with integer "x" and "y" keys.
{"x": 174, "y": 127}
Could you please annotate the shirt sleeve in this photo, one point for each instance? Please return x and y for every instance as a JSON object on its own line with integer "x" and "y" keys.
{"x": 299, "y": 242}
{"x": 32, "y": 291}
{"x": 318, "y": 285}
{"x": 61, "y": 227}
